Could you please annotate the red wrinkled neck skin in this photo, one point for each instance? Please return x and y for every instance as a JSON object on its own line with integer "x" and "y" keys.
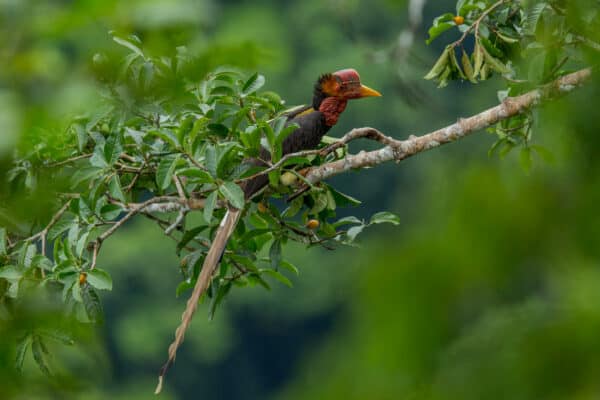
{"x": 332, "y": 107}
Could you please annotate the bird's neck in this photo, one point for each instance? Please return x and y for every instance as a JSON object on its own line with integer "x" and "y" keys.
{"x": 331, "y": 108}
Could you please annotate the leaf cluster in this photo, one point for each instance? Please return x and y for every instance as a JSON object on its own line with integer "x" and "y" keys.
{"x": 176, "y": 149}
{"x": 526, "y": 43}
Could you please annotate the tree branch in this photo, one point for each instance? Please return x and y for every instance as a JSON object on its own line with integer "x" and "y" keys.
{"x": 398, "y": 150}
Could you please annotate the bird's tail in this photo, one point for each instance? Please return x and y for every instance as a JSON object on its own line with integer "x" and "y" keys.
{"x": 226, "y": 228}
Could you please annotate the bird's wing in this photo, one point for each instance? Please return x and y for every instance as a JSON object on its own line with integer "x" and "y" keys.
{"x": 293, "y": 112}
{"x": 226, "y": 228}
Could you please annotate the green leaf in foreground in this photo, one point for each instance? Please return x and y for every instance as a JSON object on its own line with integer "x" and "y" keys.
{"x": 39, "y": 350}
{"x": 99, "y": 279}
{"x": 254, "y": 83}
{"x": 385, "y": 217}
{"x": 233, "y": 193}
{"x": 278, "y": 276}
{"x": 164, "y": 173}
{"x": 93, "y": 306}
{"x": 22, "y": 347}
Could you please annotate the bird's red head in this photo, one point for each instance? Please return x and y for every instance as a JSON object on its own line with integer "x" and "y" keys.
{"x": 333, "y": 91}
{"x": 345, "y": 84}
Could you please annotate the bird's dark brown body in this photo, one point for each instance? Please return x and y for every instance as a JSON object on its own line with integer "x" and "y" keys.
{"x": 330, "y": 96}
{"x": 308, "y": 135}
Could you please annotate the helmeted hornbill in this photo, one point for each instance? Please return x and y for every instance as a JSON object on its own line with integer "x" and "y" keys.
{"x": 331, "y": 94}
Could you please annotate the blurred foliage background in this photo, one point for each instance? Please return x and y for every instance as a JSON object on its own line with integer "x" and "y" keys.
{"x": 488, "y": 289}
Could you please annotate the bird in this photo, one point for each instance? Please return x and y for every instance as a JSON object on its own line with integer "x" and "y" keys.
{"x": 331, "y": 93}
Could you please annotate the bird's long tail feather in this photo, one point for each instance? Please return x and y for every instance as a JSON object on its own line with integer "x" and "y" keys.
{"x": 226, "y": 228}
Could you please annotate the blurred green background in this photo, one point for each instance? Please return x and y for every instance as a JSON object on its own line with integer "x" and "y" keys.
{"x": 490, "y": 288}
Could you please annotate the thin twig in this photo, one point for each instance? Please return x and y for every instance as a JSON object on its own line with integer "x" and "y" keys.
{"x": 179, "y": 187}
{"x": 69, "y": 160}
{"x": 135, "y": 178}
{"x": 176, "y": 223}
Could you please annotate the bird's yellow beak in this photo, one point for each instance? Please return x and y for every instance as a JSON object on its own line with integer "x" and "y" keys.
{"x": 366, "y": 91}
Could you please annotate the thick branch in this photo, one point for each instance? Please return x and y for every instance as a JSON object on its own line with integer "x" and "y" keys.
{"x": 398, "y": 150}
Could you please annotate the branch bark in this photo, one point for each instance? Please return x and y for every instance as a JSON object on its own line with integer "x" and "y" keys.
{"x": 398, "y": 150}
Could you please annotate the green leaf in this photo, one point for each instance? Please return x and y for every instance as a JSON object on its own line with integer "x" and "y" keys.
{"x": 167, "y": 136}
{"x": 437, "y": 30}
{"x": 477, "y": 59}
{"x": 254, "y": 279}
{"x": 183, "y": 287}
{"x": 489, "y": 46}
{"x": 82, "y": 243}
{"x": 278, "y": 276}
{"x": 10, "y": 272}
{"x": 347, "y": 221}
{"x": 354, "y": 232}
{"x": 28, "y": 251}
{"x": 185, "y": 128}
{"x": 115, "y": 190}
{"x": 209, "y": 206}
{"x": 13, "y": 290}
{"x": 42, "y": 262}
{"x": 222, "y": 91}
{"x": 226, "y": 158}
{"x": 92, "y": 304}
{"x": 439, "y": 65}
{"x": 278, "y": 125}
{"x": 525, "y": 159}
{"x": 82, "y": 137}
{"x": 245, "y": 261}
{"x": 112, "y": 150}
{"x": 58, "y": 335}
{"x": 233, "y": 193}
{"x": 384, "y": 217}
{"x": 188, "y": 236}
{"x": 289, "y": 266}
{"x": 494, "y": 63}
{"x": 211, "y": 160}
{"x": 296, "y": 160}
{"x": 98, "y": 159}
{"x": 532, "y": 17}
{"x": 342, "y": 199}
{"x": 467, "y": 67}
{"x": 320, "y": 203}
{"x": 218, "y": 129}
{"x": 275, "y": 253}
{"x": 22, "y": 347}
{"x": 85, "y": 174}
{"x": 506, "y": 38}
{"x": 109, "y": 212}
{"x": 129, "y": 45}
{"x": 165, "y": 170}
{"x": 99, "y": 279}
{"x": 254, "y": 83}
{"x": 38, "y": 349}
{"x": 274, "y": 178}
{"x": 257, "y": 221}
{"x": 73, "y": 235}
{"x": 218, "y": 298}
{"x": 197, "y": 175}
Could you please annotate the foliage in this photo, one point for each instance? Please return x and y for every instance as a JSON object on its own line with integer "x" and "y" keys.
{"x": 503, "y": 35}
{"x": 418, "y": 292}
{"x": 163, "y": 142}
